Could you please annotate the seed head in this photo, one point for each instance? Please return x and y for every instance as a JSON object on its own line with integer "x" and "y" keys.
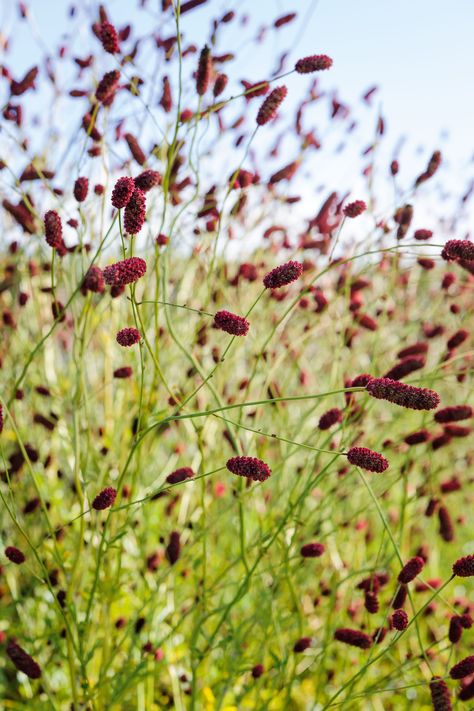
{"x": 367, "y": 459}
{"x": 249, "y": 467}
{"x": 231, "y": 323}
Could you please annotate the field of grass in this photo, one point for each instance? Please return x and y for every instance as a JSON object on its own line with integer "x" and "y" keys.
{"x": 201, "y": 591}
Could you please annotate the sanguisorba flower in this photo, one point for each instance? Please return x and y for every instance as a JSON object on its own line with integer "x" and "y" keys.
{"x": 104, "y": 499}
{"x": 302, "y": 644}
{"x": 122, "y": 373}
{"x": 312, "y": 550}
{"x": 367, "y": 459}
{"x": 268, "y": 109}
{"x": 453, "y": 413}
{"x": 410, "y": 570}
{"x": 203, "y": 75}
{"x": 231, "y": 323}
{"x": 355, "y": 638}
{"x": 464, "y": 567}
{"x": 283, "y": 275}
{"x": 107, "y": 87}
{"x": 53, "y": 230}
{"x": 330, "y": 418}
{"x": 125, "y": 272}
{"x": 354, "y": 209}
{"x": 134, "y": 216}
{"x": 122, "y": 192}
{"x": 399, "y": 620}
{"x": 180, "y": 475}
{"x": 23, "y": 661}
{"x": 15, "y": 555}
{"x": 93, "y": 280}
{"x": 109, "y": 38}
{"x": 249, "y": 467}
{"x": 128, "y": 337}
{"x": 440, "y": 696}
{"x": 402, "y": 394}
{"x": 458, "y": 249}
{"x": 81, "y": 187}
{"x": 147, "y": 180}
{"x": 463, "y": 668}
{"x": 315, "y": 63}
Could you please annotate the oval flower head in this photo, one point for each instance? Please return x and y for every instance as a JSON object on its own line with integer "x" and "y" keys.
{"x": 128, "y": 337}
{"x": 125, "y": 272}
{"x": 283, "y": 275}
{"x": 231, "y": 323}
{"x": 367, "y": 459}
{"x": 249, "y": 467}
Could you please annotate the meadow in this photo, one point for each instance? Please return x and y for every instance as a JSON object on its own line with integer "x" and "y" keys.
{"x": 236, "y": 460}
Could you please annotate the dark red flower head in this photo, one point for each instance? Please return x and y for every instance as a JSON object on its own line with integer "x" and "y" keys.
{"x": 81, "y": 186}
{"x": 399, "y": 620}
{"x": 440, "y": 696}
{"x": 104, "y": 499}
{"x": 204, "y": 71}
{"x": 173, "y": 549}
{"x": 405, "y": 367}
{"x": 109, "y": 38}
{"x": 127, "y": 271}
{"x": 410, "y": 570}
{"x": 464, "y": 567}
{"x": 53, "y": 230}
{"x": 124, "y": 372}
{"x": 128, "y": 337}
{"x": 15, "y": 555}
{"x": 312, "y": 550}
{"x": 268, "y": 109}
{"x": 354, "y": 209}
{"x": 453, "y": 414}
{"x": 180, "y": 475}
{"x": 463, "y": 668}
{"x": 147, "y": 180}
{"x": 457, "y": 339}
{"x": 93, "y": 280}
{"x": 231, "y": 323}
{"x": 135, "y": 212}
{"x": 458, "y": 249}
{"x": 355, "y": 638}
{"x": 302, "y": 644}
{"x": 283, "y": 275}
{"x": 315, "y": 63}
{"x": 423, "y": 234}
{"x": 403, "y": 394}
{"x": 22, "y": 660}
{"x": 107, "y": 87}
{"x": 330, "y": 418}
{"x": 122, "y": 192}
{"x": 249, "y": 467}
{"x": 367, "y": 459}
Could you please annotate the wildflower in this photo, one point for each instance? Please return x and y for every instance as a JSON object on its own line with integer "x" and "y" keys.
{"x": 180, "y": 475}
{"x": 410, "y": 570}
{"x": 464, "y": 567}
{"x": 417, "y": 437}
{"x": 109, "y": 38}
{"x": 135, "y": 149}
{"x": 15, "y": 555}
{"x": 122, "y": 192}
{"x": 400, "y": 597}
{"x": 312, "y": 550}
{"x": 104, "y": 499}
{"x": 419, "y": 348}
{"x": 22, "y": 660}
{"x": 446, "y": 529}
{"x": 433, "y": 165}
{"x": 315, "y": 63}
{"x": 467, "y": 692}
{"x": 123, "y": 372}
{"x": 127, "y": 271}
{"x": 401, "y": 394}
{"x": 81, "y": 186}
{"x": 249, "y": 467}
{"x": 166, "y": 101}
{"x": 371, "y": 602}
{"x": 405, "y": 367}
{"x": 257, "y": 671}
{"x": 355, "y": 638}
{"x": 457, "y": 338}
{"x": 268, "y": 109}
{"x": 453, "y": 414}
{"x": 440, "y": 695}
{"x": 93, "y": 280}
{"x": 399, "y": 620}
{"x": 283, "y": 275}
{"x": 354, "y": 209}
{"x": 403, "y": 218}
{"x": 173, "y": 549}
{"x": 463, "y": 668}
{"x": 220, "y": 84}
{"x": 330, "y": 418}
{"x": 302, "y": 644}
{"x": 423, "y": 234}
{"x": 128, "y": 336}
{"x": 135, "y": 212}
{"x": 458, "y": 249}
{"x": 204, "y": 71}
{"x": 367, "y": 459}
{"x": 107, "y": 87}
{"x": 231, "y": 323}
{"x": 53, "y": 230}
{"x": 147, "y": 180}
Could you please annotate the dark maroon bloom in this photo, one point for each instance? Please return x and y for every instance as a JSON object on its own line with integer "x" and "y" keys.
{"x": 220, "y": 84}
{"x": 123, "y": 372}
{"x": 88, "y": 124}
{"x": 173, "y": 549}
{"x": 467, "y": 692}
{"x": 371, "y": 602}
{"x": 109, "y": 38}
{"x": 231, "y": 323}
{"x": 400, "y": 597}
{"x": 180, "y": 475}
{"x": 302, "y": 644}
{"x": 399, "y": 620}
{"x": 127, "y": 271}
{"x": 367, "y": 459}
{"x": 93, "y": 280}
{"x": 107, "y": 87}
{"x": 249, "y": 467}
{"x": 410, "y": 570}
{"x": 417, "y": 437}
{"x": 432, "y": 167}
{"x": 15, "y": 555}
{"x": 53, "y": 230}
{"x": 135, "y": 149}
{"x": 22, "y": 660}
{"x": 458, "y": 249}
{"x": 360, "y": 381}
{"x": 354, "y": 209}
{"x": 260, "y": 88}
{"x": 122, "y": 192}
{"x": 440, "y": 696}
{"x": 405, "y": 367}
{"x": 81, "y": 186}
{"x": 147, "y": 180}
{"x": 403, "y": 218}
{"x": 457, "y": 338}
{"x": 422, "y": 234}
{"x": 355, "y": 638}
{"x": 166, "y": 100}
{"x": 257, "y": 671}
{"x": 128, "y": 337}
{"x": 419, "y": 348}
{"x": 330, "y": 418}
{"x": 204, "y": 71}
{"x": 455, "y": 630}
{"x": 283, "y": 275}
{"x": 312, "y": 550}
{"x": 464, "y": 567}
{"x": 268, "y": 109}
{"x": 453, "y": 414}
{"x": 134, "y": 216}
{"x": 446, "y": 528}
{"x": 402, "y": 394}
{"x": 315, "y": 63}
{"x": 463, "y": 668}
{"x": 104, "y": 499}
